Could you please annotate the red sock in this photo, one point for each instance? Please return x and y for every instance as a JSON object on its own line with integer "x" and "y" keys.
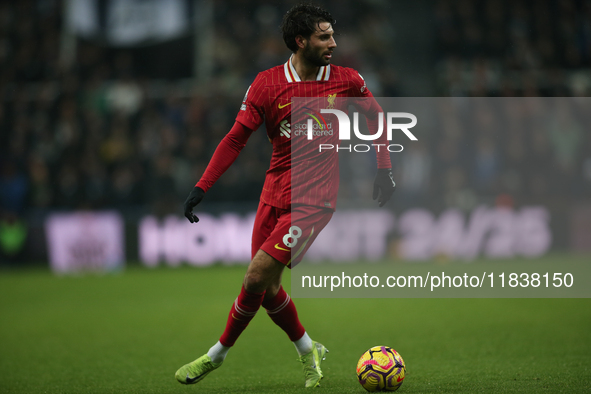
{"x": 282, "y": 311}
{"x": 242, "y": 312}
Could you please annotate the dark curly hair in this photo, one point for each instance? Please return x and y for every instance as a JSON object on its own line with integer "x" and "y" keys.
{"x": 302, "y": 20}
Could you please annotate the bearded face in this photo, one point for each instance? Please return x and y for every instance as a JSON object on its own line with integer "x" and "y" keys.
{"x": 318, "y": 48}
{"x": 316, "y": 55}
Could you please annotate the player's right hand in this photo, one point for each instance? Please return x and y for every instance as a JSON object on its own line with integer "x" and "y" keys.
{"x": 194, "y": 198}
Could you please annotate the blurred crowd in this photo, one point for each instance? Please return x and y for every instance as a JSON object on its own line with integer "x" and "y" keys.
{"x": 499, "y": 151}
{"x": 507, "y": 48}
{"x": 97, "y": 133}
{"x": 523, "y": 48}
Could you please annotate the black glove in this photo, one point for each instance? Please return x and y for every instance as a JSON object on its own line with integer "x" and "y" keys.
{"x": 384, "y": 183}
{"x": 194, "y": 198}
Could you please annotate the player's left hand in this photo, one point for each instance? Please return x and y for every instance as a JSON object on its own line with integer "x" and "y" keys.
{"x": 383, "y": 186}
{"x": 194, "y": 198}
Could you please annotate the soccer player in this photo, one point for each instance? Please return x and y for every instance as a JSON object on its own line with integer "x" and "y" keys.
{"x": 308, "y": 33}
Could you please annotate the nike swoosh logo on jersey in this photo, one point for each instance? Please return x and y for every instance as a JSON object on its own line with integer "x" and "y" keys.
{"x": 280, "y": 248}
{"x": 283, "y": 106}
{"x": 192, "y": 380}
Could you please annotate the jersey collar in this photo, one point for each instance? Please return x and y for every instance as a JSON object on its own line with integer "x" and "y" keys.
{"x": 292, "y": 76}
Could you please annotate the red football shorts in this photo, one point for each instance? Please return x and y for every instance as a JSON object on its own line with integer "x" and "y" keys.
{"x": 287, "y": 234}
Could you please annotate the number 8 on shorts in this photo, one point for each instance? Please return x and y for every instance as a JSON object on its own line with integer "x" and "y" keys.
{"x": 294, "y": 233}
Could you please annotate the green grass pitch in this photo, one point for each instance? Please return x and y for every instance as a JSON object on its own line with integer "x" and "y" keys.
{"x": 129, "y": 332}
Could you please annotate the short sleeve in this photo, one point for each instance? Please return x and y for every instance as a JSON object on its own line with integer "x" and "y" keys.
{"x": 251, "y": 112}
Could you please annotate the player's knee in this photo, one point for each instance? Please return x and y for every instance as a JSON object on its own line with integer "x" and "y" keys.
{"x": 272, "y": 290}
{"x": 262, "y": 273}
{"x": 255, "y": 282}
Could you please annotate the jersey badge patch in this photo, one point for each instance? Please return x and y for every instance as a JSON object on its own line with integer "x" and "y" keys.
{"x": 331, "y": 99}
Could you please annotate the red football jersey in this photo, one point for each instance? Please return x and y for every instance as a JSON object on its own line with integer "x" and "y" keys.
{"x": 315, "y": 178}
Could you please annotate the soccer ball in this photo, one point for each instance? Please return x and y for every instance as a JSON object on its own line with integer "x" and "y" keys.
{"x": 381, "y": 369}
